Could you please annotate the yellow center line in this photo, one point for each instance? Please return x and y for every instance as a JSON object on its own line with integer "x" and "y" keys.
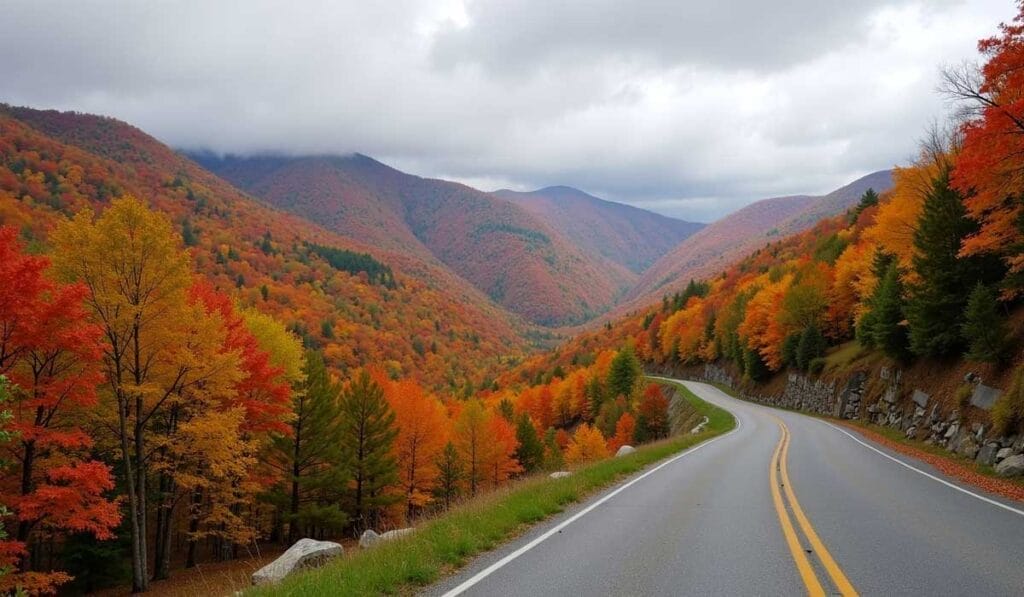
{"x": 803, "y": 566}
{"x": 834, "y": 571}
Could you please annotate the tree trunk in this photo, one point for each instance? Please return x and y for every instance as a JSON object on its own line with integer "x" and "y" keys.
{"x": 164, "y": 524}
{"x": 138, "y": 552}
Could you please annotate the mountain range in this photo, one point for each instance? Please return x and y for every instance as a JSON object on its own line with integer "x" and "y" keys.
{"x": 556, "y": 257}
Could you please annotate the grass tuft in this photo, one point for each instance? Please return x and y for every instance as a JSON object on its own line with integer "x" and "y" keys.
{"x": 442, "y": 544}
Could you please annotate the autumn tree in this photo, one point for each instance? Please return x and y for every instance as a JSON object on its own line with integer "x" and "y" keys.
{"x": 587, "y": 445}
{"x": 470, "y": 440}
{"x": 367, "y": 454}
{"x": 498, "y": 458}
{"x": 422, "y": 434}
{"x": 137, "y": 275}
{"x": 624, "y": 430}
{"x": 652, "y": 415}
{"x": 990, "y": 169}
{"x": 52, "y": 353}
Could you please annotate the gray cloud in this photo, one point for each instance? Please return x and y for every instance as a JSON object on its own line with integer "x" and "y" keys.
{"x": 692, "y": 109}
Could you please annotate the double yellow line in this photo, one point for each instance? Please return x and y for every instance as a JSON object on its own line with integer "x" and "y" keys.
{"x": 803, "y": 564}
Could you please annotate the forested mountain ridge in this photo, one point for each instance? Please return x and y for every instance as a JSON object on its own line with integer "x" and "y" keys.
{"x": 722, "y": 242}
{"x": 627, "y": 235}
{"x": 512, "y": 255}
{"x": 53, "y": 164}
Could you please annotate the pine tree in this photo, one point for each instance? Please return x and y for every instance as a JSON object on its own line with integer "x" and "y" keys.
{"x": 310, "y": 456}
{"x": 367, "y": 434}
{"x": 624, "y": 372}
{"x": 811, "y": 345}
{"x": 753, "y": 364}
{"x": 983, "y": 328}
{"x": 450, "y": 473}
{"x": 553, "y": 458}
{"x": 789, "y": 349}
{"x": 935, "y": 306}
{"x": 888, "y": 331}
{"x": 530, "y": 452}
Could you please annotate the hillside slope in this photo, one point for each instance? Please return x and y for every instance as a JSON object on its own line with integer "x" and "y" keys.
{"x": 426, "y": 324}
{"x": 713, "y": 248}
{"x": 512, "y": 255}
{"x": 630, "y": 236}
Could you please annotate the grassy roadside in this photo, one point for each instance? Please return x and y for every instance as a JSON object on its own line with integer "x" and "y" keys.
{"x": 446, "y": 543}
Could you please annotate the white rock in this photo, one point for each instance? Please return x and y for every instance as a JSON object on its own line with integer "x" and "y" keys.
{"x": 306, "y": 553}
{"x": 1004, "y": 453}
{"x": 625, "y": 450}
{"x": 700, "y": 426}
{"x": 370, "y": 538}
{"x": 559, "y": 474}
{"x": 1011, "y": 466}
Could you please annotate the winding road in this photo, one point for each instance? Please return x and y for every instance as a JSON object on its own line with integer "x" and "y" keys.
{"x": 784, "y": 504}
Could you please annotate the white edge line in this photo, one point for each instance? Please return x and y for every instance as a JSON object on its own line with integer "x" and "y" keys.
{"x": 468, "y": 584}
{"x": 927, "y": 474}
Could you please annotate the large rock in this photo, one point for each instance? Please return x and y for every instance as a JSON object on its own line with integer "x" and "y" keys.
{"x": 306, "y": 553}
{"x": 987, "y": 455}
{"x": 1011, "y": 466}
{"x": 370, "y": 538}
{"x": 625, "y": 450}
{"x": 559, "y": 474}
{"x": 968, "y": 446}
{"x": 1003, "y": 454}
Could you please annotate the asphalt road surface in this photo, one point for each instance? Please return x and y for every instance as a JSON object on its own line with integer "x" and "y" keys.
{"x": 783, "y": 505}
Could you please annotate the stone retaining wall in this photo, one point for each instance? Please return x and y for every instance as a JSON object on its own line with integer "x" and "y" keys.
{"x": 911, "y": 410}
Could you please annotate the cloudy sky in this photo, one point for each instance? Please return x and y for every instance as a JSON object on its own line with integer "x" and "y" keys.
{"x": 684, "y": 107}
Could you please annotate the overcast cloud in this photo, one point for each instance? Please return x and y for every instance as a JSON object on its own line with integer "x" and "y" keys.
{"x": 688, "y": 108}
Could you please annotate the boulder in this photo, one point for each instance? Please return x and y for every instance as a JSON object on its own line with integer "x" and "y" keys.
{"x": 370, "y": 538}
{"x": 1011, "y": 466}
{"x": 967, "y": 446}
{"x": 306, "y": 553}
{"x": 625, "y": 450}
{"x": 1004, "y": 453}
{"x": 559, "y": 474}
{"x": 987, "y": 455}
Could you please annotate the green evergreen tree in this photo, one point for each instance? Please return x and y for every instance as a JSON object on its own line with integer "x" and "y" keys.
{"x": 595, "y": 395}
{"x": 624, "y": 372}
{"x": 812, "y": 344}
{"x": 367, "y": 434}
{"x": 753, "y": 365}
{"x": 530, "y": 452}
{"x": 935, "y": 305}
{"x": 450, "y": 474}
{"x": 310, "y": 457}
{"x": 983, "y": 328}
{"x": 789, "y": 349}
{"x": 888, "y": 331}
{"x": 553, "y": 459}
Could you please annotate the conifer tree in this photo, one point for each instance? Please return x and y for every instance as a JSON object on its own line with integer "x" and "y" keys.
{"x": 530, "y": 452}
{"x": 936, "y": 301}
{"x": 983, "y": 328}
{"x": 888, "y": 331}
{"x": 450, "y": 473}
{"x": 624, "y": 372}
{"x": 311, "y": 455}
{"x": 367, "y": 434}
{"x": 811, "y": 345}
